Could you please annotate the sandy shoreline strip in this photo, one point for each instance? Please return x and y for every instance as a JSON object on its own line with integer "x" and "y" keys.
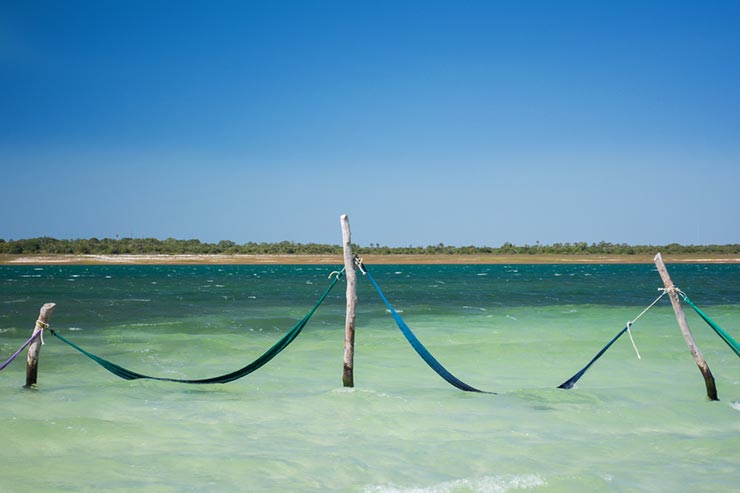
{"x": 337, "y": 259}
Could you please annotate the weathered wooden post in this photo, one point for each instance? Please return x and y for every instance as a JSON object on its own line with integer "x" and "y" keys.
{"x": 348, "y": 378}
{"x": 684, "y": 325}
{"x": 32, "y": 360}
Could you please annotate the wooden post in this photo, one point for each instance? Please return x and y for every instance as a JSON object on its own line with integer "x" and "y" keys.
{"x": 684, "y": 325}
{"x": 32, "y": 360}
{"x": 348, "y": 378}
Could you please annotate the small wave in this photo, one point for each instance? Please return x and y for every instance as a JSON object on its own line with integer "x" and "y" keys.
{"x": 735, "y": 405}
{"x": 511, "y": 317}
{"x": 19, "y": 300}
{"x": 488, "y": 484}
{"x": 467, "y": 307}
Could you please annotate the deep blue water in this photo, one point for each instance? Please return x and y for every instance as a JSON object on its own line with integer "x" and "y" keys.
{"x": 107, "y": 295}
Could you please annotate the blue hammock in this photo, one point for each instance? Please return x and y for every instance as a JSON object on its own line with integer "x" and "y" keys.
{"x": 418, "y": 346}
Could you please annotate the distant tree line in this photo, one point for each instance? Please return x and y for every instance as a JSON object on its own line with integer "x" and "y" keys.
{"x": 171, "y": 246}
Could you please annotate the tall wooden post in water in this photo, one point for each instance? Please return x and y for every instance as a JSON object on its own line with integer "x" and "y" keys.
{"x": 684, "y": 325}
{"x": 32, "y": 360}
{"x": 348, "y": 378}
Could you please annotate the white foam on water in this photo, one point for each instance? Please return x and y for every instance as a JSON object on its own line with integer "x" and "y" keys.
{"x": 20, "y": 300}
{"x": 735, "y": 405}
{"x": 487, "y": 484}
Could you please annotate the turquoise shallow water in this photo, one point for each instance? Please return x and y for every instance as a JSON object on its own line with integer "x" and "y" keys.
{"x": 518, "y": 330}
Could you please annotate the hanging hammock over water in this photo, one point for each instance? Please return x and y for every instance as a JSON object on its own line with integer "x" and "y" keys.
{"x": 417, "y": 345}
{"x": 568, "y": 384}
{"x": 723, "y": 334}
{"x": 279, "y": 346}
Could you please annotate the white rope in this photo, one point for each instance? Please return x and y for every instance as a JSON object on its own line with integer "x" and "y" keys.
{"x": 629, "y": 324}
{"x": 629, "y": 333}
{"x": 649, "y": 306}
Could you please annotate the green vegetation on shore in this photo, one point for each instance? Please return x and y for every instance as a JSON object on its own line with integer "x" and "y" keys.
{"x": 171, "y": 246}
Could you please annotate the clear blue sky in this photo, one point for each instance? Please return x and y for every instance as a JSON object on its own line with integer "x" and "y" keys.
{"x": 459, "y": 122}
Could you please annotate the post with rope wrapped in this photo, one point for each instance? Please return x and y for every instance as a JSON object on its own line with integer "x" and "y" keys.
{"x": 348, "y": 379}
{"x": 684, "y": 325}
{"x": 32, "y": 360}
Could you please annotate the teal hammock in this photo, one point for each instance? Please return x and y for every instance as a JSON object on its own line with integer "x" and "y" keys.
{"x": 720, "y": 332}
{"x": 418, "y": 346}
{"x": 289, "y": 337}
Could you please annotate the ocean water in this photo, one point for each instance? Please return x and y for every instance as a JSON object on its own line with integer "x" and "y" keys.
{"x": 517, "y": 330}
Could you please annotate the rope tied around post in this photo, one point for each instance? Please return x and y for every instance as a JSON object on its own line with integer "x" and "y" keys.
{"x": 359, "y": 264}
{"x": 40, "y": 326}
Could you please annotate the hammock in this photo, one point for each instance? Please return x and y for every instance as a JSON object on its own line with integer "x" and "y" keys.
{"x": 568, "y": 384}
{"x": 418, "y": 346}
{"x": 720, "y": 332}
{"x": 289, "y": 337}
{"x": 35, "y": 335}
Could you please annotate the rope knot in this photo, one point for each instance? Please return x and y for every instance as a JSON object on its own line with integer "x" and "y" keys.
{"x": 359, "y": 264}
{"x": 41, "y": 326}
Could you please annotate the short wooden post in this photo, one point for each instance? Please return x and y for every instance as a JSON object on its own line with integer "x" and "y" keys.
{"x": 684, "y": 325}
{"x": 32, "y": 360}
{"x": 348, "y": 378}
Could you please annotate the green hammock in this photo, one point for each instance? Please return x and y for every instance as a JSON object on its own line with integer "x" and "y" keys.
{"x": 720, "y": 332}
{"x": 229, "y": 377}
